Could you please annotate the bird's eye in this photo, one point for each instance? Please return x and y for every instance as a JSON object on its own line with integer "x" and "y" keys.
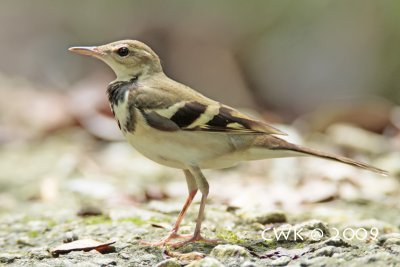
{"x": 123, "y": 51}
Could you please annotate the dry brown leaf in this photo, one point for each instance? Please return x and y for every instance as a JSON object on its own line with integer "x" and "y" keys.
{"x": 89, "y": 211}
{"x": 83, "y": 244}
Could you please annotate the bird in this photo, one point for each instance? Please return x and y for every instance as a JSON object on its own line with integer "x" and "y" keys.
{"x": 176, "y": 126}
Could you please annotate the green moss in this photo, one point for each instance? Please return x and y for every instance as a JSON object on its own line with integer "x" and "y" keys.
{"x": 139, "y": 221}
{"x": 228, "y": 236}
{"x": 33, "y": 234}
{"x": 101, "y": 219}
{"x": 51, "y": 223}
{"x": 134, "y": 220}
{"x": 270, "y": 243}
{"x": 299, "y": 245}
{"x": 26, "y": 219}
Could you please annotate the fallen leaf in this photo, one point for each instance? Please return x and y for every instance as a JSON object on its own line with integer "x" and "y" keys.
{"x": 83, "y": 244}
{"x": 89, "y": 211}
{"x": 231, "y": 208}
{"x": 321, "y": 200}
{"x": 160, "y": 225}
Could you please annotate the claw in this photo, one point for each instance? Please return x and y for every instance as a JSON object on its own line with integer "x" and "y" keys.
{"x": 195, "y": 238}
{"x": 164, "y": 241}
{"x": 173, "y": 235}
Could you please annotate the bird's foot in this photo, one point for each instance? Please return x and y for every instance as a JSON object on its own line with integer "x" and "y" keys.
{"x": 173, "y": 235}
{"x": 166, "y": 240}
{"x": 194, "y": 238}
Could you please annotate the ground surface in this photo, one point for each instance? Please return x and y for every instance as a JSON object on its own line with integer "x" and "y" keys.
{"x": 64, "y": 176}
{"x": 55, "y": 191}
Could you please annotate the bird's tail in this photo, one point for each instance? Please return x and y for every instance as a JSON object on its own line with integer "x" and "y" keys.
{"x": 345, "y": 160}
{"x": 282, "y": 148}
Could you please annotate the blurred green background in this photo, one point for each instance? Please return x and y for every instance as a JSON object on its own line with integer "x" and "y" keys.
{"x": 285, "y": 56}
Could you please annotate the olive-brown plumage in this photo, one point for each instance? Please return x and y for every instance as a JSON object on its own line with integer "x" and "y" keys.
{"x": 176, "y": 126}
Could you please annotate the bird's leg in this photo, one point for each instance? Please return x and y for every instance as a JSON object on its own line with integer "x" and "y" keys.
{"x": 203, "y": 186}
{"x": 192, "y": 188}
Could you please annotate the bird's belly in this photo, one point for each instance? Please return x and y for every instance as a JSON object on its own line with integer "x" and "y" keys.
{"x": 177, "y": 149}
{"x": 180, "y": 149}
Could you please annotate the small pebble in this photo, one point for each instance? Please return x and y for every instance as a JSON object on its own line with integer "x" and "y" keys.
{"x": 227, "y": 251}
{"x": 206, "y": 262}
{"x": 9, "y": 257}
{"x": 69, "y": 237}
{"x": 281, "y": 261}
{"x": 169, "y": 263}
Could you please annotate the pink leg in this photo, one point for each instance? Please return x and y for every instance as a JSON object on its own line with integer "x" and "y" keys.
{"x": 204, "y": 188}
{"x": 196, "y": 235}
{"x": 173, "y": 234}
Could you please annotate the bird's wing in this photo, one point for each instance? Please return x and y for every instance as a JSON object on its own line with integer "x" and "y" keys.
{"x": 198, "y": 116}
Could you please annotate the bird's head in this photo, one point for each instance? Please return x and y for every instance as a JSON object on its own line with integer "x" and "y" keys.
{"x": 128, "y": 58}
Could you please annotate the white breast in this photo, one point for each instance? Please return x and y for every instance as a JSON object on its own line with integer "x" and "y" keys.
{"x": 121, "y": 111}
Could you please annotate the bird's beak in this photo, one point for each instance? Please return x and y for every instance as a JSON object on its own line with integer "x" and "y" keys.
{"x": 87, "y": 51}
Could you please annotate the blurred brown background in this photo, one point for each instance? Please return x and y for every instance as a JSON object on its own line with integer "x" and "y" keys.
{"x": 286, "y": 56}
